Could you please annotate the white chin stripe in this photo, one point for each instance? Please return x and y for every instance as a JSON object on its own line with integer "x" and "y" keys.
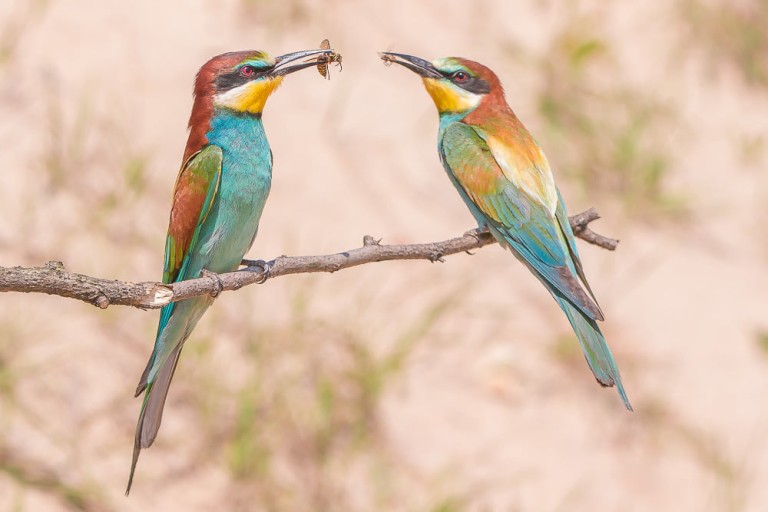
{"x": 233, "y": 97}
{"x": 469, "y": 99}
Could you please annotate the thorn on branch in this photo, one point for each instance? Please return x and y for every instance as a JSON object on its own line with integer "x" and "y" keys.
{"x": 436, "y": 255}
{"x": 55, "y": 265}
{"x": 369, "y": 240}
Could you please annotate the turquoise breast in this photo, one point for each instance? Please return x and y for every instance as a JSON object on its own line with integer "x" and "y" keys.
{"x": 246, "y": 178}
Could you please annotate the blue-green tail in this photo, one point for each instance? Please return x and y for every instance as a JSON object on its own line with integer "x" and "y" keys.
{"x": 176, "y": 323}
{"x": 151, "y": 414}
{"x": 596, "y": 350}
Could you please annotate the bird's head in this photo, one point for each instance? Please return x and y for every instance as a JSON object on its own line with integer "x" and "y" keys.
{"x": 457, "y": 86}
{"x": 242, "y": 81}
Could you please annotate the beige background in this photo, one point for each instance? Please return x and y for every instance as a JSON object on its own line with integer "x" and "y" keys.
{"x": 396, "y": 386}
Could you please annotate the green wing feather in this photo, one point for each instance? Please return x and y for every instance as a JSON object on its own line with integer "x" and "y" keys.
{"x": 543, "y": 241}
{"x": 523, "y": 223}
{"x": 193, "y": 197}
{"x": 195, "y": 190}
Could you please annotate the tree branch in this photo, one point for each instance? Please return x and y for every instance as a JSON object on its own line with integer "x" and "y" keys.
{"x": 53, "y": 279}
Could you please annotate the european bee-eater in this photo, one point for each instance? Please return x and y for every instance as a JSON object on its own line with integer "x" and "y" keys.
{"x": 504, "y": 178}
{"x": 219, "y": 196}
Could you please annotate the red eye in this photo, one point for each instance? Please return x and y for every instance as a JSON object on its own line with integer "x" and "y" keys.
{"x": 460, "y": 77}
{"x": 247, "y": 71}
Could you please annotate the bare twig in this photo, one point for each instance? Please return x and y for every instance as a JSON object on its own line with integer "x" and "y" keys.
{"x": 53, "y": 279}
{"x": 580, "y": 225}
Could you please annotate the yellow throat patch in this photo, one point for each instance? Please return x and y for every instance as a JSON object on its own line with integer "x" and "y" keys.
{"x": 250, "y": 97}
{"x": 450, "y": 98}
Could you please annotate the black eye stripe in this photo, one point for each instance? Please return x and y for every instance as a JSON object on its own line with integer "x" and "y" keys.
{"x": 474, "y": 84}
{"x": 230, "y": 81}
{"x": 235, "y": 79}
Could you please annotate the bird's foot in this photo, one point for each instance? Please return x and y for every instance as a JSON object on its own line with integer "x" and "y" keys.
{"x": 478, "y": 233}
{"x": 263, "y": 266}
{"x": 218, "y": 285}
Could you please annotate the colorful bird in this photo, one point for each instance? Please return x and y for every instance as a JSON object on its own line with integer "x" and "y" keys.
{"x": 504, "y": 178}
{"x": 217, "y": 202}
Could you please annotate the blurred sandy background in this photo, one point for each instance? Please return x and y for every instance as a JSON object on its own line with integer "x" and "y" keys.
{"x": 398, "y": 386}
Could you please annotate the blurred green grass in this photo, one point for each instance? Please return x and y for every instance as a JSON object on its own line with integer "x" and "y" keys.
{"x": 731, "y": 35}
{"x": 311, "y": 402}
{"x": 605, "y": 135}
{"x": 16, "y": 24}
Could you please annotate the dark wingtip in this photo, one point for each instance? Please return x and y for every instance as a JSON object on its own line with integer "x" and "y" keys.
{"x": 574, "y": 293}
{"x": 137, "y": 439}
{"x": 623, "y": 395}
{"x": 619, "y": 388}
{"x": 136, "y": 451}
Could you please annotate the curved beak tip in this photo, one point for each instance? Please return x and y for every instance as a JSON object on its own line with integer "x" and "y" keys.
{"x": 419, "y": 66}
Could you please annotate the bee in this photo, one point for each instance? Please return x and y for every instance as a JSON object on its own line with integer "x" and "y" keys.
{"x": 388, "y": 59}
{"x": 324, "y": 60}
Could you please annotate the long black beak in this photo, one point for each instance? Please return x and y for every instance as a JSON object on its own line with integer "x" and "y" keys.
{"x": 415, "y": 64}
{"x": 281, "y": 69}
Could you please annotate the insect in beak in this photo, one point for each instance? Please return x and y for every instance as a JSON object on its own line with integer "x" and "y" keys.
{"x": 327, "y": 58}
